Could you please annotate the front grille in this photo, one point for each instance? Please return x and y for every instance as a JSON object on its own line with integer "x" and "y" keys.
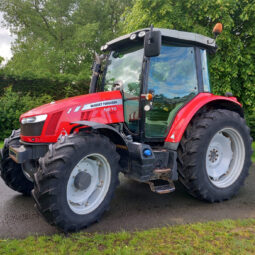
{"x": 32, "y": 129}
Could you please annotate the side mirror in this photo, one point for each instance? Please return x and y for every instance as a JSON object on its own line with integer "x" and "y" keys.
{"x": 152, "y": 43}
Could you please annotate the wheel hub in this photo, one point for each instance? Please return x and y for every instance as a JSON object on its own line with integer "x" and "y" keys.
{"x": 219, "y": 156}
{"x": 88, "y": 183}
{"x": 225, "y": 157}
{"x": 82, "y": 181}
{"x": 214, "y": 155}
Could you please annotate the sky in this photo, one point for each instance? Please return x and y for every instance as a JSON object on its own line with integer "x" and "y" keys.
{"x": 5, "y": 41}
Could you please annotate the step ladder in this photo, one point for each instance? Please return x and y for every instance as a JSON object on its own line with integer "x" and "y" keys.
{"x": 168, "y": 187}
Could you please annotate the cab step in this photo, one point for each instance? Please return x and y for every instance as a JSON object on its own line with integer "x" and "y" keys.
{"x": 162, "y": 188}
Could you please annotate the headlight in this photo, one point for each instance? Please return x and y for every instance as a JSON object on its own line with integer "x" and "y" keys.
{"x": 34, "y": 119}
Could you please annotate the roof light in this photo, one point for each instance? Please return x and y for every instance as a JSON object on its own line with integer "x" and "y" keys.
{"x": 141, "y": 34}
{"x": 104, "y": 47}
{"x": 133, "y": 36}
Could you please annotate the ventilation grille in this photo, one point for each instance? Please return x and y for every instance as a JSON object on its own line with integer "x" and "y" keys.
{"x": 86, "y": 115}
{"x": 53, "y": 123}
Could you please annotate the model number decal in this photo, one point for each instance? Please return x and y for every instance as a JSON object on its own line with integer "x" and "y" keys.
{"x": 102, "y": 104}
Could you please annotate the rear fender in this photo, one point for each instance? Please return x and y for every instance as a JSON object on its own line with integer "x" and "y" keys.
{"x": 198, "y": 104}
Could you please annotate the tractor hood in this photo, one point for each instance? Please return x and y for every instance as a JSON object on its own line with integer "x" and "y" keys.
{"x": 57, "y": 117}
{"x": 74, "y": 103}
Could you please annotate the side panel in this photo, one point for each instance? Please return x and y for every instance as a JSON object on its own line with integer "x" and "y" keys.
{"x": 185, "y": 115}
{"x": 104, "y": 107}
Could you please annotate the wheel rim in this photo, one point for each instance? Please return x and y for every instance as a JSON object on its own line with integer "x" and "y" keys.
{"x": 88, "y": 184}
{"x": 225, "y": 157}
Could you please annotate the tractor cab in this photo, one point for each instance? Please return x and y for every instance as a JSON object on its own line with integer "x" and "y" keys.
{"x": 157, "y": 76}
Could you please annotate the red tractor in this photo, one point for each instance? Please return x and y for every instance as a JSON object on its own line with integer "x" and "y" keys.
{"x": 150, "y": 114}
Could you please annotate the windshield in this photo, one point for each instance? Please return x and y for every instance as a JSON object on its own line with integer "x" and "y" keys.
{"x": 125, "y": 66}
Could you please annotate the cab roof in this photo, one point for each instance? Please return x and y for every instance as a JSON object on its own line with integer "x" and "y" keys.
{"x": 169, "y": 35}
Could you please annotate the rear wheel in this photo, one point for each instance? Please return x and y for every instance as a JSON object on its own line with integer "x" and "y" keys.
{"x": 76, "y": 181}
{"x": 11, "y": 172}
{"x": 214, "y": 155}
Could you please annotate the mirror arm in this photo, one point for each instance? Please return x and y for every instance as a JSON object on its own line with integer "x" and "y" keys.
{"x": 150, "y": 35}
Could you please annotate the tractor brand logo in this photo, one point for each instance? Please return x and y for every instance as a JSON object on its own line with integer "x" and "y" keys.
{"x": 97, "y": 105}
{"x": 102, "y": 104}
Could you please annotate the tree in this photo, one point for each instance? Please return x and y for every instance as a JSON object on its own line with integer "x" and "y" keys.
{"x": 56, "y": 37}
{"x": 1, "y": 61}
{"x": 233, "y": 67}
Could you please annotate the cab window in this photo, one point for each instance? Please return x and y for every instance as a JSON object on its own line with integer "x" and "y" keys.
{"x": 206, "y": 78}
{"x": 173, "y": 82}
{"x": 125, "y": 67}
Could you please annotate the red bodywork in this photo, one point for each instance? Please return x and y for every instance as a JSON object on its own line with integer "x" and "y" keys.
{"x": 106, "y": 108}
{"x": 102, "y": 107}
{"x": 186, "y": 113}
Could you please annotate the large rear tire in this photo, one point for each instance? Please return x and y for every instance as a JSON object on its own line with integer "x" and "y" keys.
{"x": 76, "y": 181}
{"x": 214, "y": 155}
{"x": 11, "y": 172}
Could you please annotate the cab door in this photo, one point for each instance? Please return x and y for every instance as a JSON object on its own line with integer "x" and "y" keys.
{"x": 172, "y": 79}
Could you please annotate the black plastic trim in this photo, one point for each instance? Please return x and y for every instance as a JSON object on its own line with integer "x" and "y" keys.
{"x": 97, "y": 126}
{"x": 24, "y": 153}
{"x": 171, "y": 146}
{"x": 32, "y": 129}
{"x": 33, "y": 144}
{"x": 144, "y": 89}
{"x": 199, "y": 70}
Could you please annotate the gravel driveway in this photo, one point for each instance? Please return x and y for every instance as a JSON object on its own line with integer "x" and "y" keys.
{"x": 134, "y": 207}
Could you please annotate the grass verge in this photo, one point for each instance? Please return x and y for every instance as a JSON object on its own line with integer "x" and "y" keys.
{"x": 223, "y": 237}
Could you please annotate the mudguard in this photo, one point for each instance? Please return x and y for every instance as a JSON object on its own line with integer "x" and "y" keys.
{"x": 186, "y": 113}
{"x": 114, "y": 133}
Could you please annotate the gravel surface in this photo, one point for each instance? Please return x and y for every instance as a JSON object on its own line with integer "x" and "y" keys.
{"x": 134, "y": 207}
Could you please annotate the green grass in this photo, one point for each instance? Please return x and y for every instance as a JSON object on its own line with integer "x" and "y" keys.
{"x": 223, "y": 237}
{"x": 1, "y": 145}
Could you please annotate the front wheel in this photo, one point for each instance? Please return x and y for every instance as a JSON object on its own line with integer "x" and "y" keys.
{"x": 76, "y": 181}
{"x": 214, "y": 155}
{"x": 11, "y": 172}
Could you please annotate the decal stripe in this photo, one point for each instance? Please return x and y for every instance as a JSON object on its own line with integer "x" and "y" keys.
{"x": 77, "y": 108}
{"x": 102, "y": 104}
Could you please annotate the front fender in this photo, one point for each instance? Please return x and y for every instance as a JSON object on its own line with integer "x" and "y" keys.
{"x": 109, "y": 131}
